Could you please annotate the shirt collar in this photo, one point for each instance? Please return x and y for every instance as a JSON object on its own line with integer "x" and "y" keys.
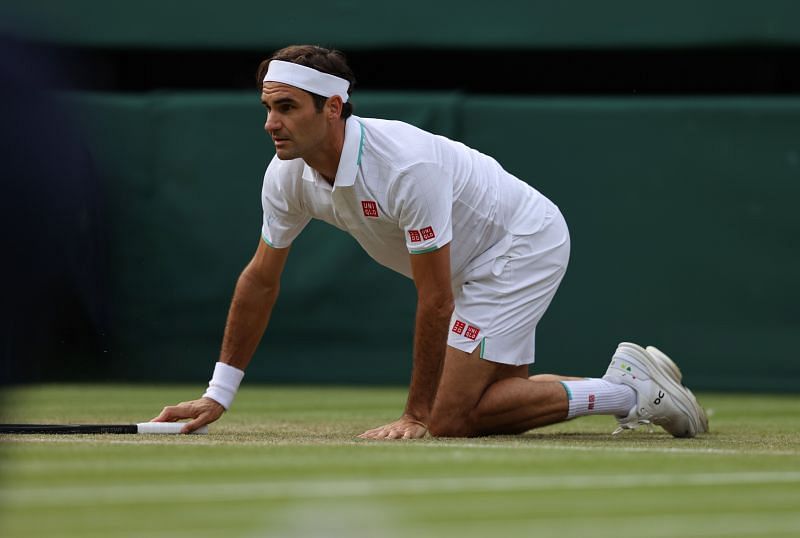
{"x": 350, "y": 159}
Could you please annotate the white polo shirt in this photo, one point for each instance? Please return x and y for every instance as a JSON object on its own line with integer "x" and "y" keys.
{"x": 401, "y": 190}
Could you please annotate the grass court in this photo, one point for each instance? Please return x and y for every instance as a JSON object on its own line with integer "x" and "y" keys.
{"x": 285, "y": 462}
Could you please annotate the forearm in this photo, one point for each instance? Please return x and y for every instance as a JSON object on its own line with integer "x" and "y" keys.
{"x": 247, "y": 319}
{"x": 430, "y": 343}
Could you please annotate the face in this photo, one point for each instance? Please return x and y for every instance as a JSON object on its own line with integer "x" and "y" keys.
{"x": 293, "y": 123}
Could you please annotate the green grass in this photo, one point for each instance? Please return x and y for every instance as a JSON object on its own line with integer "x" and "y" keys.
{"x": 285, "y": 462}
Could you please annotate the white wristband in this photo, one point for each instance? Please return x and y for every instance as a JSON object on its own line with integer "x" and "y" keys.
{"x": 224, "y": 384}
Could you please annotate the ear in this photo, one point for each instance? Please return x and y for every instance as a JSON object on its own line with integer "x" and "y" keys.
{"x": 333, "y": 107}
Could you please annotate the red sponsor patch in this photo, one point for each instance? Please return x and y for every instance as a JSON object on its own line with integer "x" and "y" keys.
{"x": 370, "y": 208}
{"x": 427, "y": 233}
{"x": 414, "y": 236}
{"x": 472, "y": 332}
{"x": 459, "y": 326}
{"x": 591, "y": 401}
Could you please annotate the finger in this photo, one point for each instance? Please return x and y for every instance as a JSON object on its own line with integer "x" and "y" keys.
{"x": 415, "y": 431}
{"x": 185, "y": 411}
{"x": 169, "y": 414}
{"x": 377, "y": 433}
{"x": 372, "y": 434}
{"x": 162, "y": 416}
{"x": 407, "y": 433}
{"x": 194, "y": 424}
{"x": 386, "y": 433}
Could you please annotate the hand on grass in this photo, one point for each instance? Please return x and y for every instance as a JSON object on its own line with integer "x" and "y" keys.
{"x": 203, "y": 411}
{"x": 403, "y": 428}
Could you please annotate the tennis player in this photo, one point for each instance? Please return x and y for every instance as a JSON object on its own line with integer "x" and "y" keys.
{"x": 486, "y": 251}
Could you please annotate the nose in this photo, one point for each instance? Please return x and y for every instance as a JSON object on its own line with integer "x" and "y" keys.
{"x": 272, "y": 124}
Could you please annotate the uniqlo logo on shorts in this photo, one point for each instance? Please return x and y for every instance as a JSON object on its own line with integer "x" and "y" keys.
{"x": 370, "y": 208}
{"x": 414, "y": 236}
{"x": 472, "y": 332}
{"x": 459, "y": 326}
{"x": 427, "y": 233}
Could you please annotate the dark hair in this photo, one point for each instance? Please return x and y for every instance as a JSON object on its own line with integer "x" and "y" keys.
{"x": 329, "y": 61}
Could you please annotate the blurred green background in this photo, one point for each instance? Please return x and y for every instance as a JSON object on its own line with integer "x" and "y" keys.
{"x": 668, "y": 134}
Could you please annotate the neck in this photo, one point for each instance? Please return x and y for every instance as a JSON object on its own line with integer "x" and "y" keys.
{"x": 326, "y": 160}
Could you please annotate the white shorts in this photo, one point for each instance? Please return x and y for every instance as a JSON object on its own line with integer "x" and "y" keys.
{"x": 500, "y": 302}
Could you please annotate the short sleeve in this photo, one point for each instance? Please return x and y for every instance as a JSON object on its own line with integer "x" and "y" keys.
{"x": 424, "y": 203}
{"x": 284, "y": 217}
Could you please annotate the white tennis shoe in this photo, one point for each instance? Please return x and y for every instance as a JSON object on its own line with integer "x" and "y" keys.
{"x": 677, "y": 375}
{"x": 660, "y": 397}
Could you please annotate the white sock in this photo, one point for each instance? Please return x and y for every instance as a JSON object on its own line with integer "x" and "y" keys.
{"x": 598, "y": 397}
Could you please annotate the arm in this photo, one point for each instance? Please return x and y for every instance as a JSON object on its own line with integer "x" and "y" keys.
{"x": 255, "y": 295}
{"x": 251, "y": 307}
{"x": 431, "y": 272}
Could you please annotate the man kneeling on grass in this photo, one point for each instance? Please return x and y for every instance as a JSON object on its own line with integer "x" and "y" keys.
{"x": 486, "y": 252}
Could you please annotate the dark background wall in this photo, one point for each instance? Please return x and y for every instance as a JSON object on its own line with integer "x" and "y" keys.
{"x": 669, "y": 137}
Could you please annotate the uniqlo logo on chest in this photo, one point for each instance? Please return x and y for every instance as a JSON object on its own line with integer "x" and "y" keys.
{"x": 414, "y": 236}
{"x": 370, "y": 208}
{"x": 459, "y": 326}
{"x": 472, "y": 332}
{"x": 427, "y": 233}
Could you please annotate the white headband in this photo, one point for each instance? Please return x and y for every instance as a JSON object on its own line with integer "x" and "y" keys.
{"x": 307, "y": 78}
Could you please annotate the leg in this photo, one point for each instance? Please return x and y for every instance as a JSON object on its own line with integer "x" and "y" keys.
{"x": 504, "y": 300}
{"x": 479, "y": 397}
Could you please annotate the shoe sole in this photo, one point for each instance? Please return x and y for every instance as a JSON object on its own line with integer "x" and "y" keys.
{"x": 662, "y": 357}
{"x": 670, "y": 365}
{"x": 662, "y": 375}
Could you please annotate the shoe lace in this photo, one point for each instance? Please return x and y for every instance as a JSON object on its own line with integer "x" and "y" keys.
{"x": 633, "y": 424}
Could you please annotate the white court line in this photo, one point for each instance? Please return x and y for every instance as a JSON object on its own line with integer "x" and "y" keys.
{"x": 93, "y": 495}
{"x": 607, "y": 448}
{"x": 521, "y": 444}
